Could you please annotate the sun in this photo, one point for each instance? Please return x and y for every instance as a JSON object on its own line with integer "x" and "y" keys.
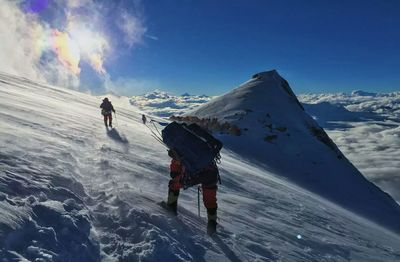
{"x": 92, "y": 46}
{"x": 86, "y": 40}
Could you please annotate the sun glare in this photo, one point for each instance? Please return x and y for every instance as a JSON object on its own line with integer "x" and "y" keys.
{"x": 77, "y": 44}
{"x": 86, "y": 40}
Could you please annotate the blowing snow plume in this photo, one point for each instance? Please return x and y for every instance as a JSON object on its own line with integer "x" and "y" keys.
{"x": 272, "y": 127}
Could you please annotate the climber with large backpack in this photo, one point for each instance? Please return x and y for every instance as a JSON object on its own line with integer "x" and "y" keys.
{"x": 194, "y": 156}
{"x": 106, "y": 110}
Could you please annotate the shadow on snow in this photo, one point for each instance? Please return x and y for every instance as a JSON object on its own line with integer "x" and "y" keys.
{"x": 116, "y": 136}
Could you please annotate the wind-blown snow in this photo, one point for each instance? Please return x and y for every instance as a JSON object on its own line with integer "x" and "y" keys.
{"x": 73, "y": 191}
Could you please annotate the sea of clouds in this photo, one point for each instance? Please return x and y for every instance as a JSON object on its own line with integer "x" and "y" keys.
{"x": 365, "y": 126}
{"x": 370, "y": 138}
{"x": 164, "y": 104}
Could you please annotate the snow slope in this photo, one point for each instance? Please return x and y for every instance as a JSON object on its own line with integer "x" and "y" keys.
{"x": 73, "y": 191}
{"x": 278, "y": 133}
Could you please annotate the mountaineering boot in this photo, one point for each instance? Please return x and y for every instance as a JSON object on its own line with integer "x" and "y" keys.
{"x": 211, "y": 227}
{"x": 105, "y": 123}
{"x": 172, "y": 202}
{"x": 212, "y": 221}
{"x": 171, "y": 208}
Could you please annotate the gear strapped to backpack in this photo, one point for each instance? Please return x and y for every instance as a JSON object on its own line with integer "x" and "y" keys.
{"x": 196, "y": 148}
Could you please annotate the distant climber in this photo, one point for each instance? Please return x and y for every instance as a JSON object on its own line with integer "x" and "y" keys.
{"x": 144, "y": 119}
{"x": 106, "y": 110}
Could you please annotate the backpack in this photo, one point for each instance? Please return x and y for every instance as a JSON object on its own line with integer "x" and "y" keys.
{"x": 196, "y": 148}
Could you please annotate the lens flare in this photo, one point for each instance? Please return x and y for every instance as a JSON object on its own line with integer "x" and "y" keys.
{"x": 299, "y": 237}
{"x": 36, "y": 6}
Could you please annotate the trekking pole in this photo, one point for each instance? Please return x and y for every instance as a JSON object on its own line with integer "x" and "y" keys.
{"x": 198, "y": 200}
{"x": 115, "y": 114}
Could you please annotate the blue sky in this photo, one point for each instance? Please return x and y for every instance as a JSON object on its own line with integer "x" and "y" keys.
{"x": 210, "y": 47}
{"x": 319, "y": 46}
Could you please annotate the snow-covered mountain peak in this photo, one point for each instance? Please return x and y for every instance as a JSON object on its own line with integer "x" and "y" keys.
{"x": 267, "y": 74}
{"x": 265, "y": 93}
{"x": 272, "y": 127}
{"x": 273, "y": 80}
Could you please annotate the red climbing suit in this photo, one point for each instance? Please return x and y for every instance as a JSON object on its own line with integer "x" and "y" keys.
{"x": 208, "y": 178}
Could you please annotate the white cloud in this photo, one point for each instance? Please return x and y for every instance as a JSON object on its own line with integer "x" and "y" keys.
{"x": 132, "y": 28}
{"x": 18, "y": 53}
{"x": 23, "y": 42}
{"x": 164, "y": 104}
{"x": 78, "y": 3}
{"x": 127, "y": 86}
{"x": 152, "y": 37}
{"x": 371, "y": 142}
{"x": 52, "y": 52}
{"x": 56, "y": 74}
